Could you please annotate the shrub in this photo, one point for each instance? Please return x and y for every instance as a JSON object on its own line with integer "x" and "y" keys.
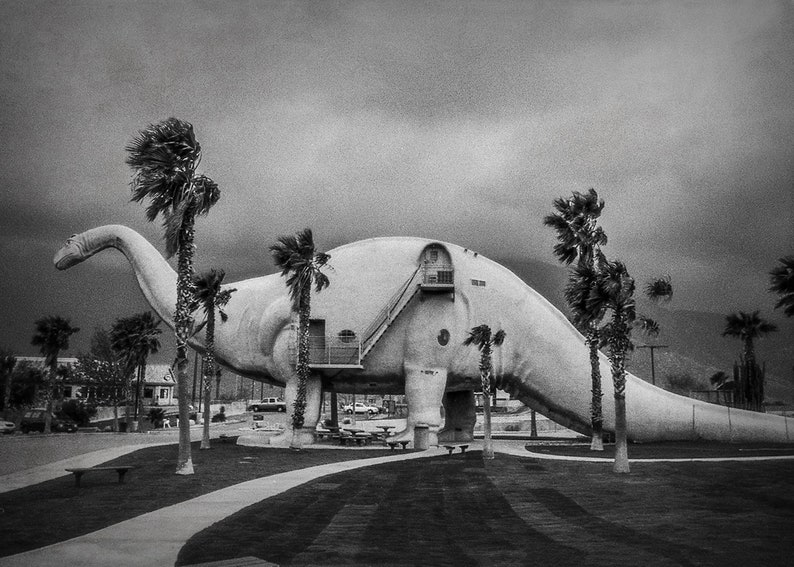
{"x": 79, "y": 411}
{"x": 681, "y": 383}
{"x": 156, "y": 416}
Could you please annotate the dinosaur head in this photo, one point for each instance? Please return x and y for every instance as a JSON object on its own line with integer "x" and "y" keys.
{"x": 70, "y": 253}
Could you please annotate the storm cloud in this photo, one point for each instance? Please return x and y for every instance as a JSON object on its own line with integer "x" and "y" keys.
{"x": 460, "y": 121}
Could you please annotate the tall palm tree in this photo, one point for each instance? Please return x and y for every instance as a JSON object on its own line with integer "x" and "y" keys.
{"x": 580, "y": 239}
{"x": 614, "y": 292}
{"x": 781, "y": 279}
{"x": 208, "y": 296}
{"x": 484, "y": 340}
{"x": 52, "y": 336}
{"x": 135, "y": 338}
{"x": 300, "y": 262}
{"x": 164, "y": 158}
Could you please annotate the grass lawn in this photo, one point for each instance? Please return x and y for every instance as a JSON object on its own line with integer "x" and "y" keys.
{"x": 56, "y": 510}
{"x": 459, "y": 511}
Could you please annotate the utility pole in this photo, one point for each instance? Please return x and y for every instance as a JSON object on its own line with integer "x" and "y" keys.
{"x": 653, "y": 370}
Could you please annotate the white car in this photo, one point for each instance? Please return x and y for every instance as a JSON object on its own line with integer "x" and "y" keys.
{"x": 362, "y": 408}
{"x": 7, "y": 426}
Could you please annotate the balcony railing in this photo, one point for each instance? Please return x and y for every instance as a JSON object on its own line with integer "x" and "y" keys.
{"x": 331, "y": 351}
{"x": 441, "y": 276}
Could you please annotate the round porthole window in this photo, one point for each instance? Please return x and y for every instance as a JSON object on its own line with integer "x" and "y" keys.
{"x": 443, "y": 337}
{"x": 347, "y": 336}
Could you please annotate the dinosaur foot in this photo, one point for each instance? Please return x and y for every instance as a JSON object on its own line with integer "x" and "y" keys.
{"x": 407, "y": 434}
{"x": 455, "y": 434}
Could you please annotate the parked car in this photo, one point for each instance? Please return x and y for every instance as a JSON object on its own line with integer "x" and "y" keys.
{"x": 269, "y": 404}
{"x": 33, "y": 420}
{"x": 7, "y": 426}
{"x": 362, "y": 408}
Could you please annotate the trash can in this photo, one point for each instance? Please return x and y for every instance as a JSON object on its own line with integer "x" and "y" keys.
{"x": 421, "y": 436}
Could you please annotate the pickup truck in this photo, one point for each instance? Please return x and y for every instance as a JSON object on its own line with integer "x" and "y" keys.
{"x": 361, "y": 408}
{"x": 269, "y": 404}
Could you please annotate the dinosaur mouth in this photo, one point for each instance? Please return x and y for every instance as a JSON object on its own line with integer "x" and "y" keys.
{"x": 67, "y": 256}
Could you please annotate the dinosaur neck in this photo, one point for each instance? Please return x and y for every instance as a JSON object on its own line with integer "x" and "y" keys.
{"x": 155, "y": 276}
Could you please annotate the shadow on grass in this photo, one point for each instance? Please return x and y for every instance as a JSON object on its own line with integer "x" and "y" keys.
{"x": 56, "y": 510}
{"x": 518, "y": 511}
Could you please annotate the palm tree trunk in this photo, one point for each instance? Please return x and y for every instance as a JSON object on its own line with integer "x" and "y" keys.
{"x": 621, "y": 440}
{"x": 207, "y": 383}
{"x": 7, "y": 392}
{"x": 209, "y": 371}
{"x": 485, "y": 376}
{"x": 487, "y": 447}
{"x": 302, "y": 368}
{"x": 182, "y": 320}
{"x": 49, "y": 393}
{"x": 596, "y": 412}
{"x": 621, "y": 443}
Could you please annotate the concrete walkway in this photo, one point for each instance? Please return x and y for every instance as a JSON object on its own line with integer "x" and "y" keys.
{"x": 154, "y": 539}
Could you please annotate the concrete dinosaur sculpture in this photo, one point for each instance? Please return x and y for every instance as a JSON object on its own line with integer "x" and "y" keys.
{"x": 393, "y": 321}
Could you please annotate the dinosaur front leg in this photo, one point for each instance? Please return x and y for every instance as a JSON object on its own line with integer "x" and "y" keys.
{"x": 424, "y": 390}
{"x": 311, "y": 415}
{"x": 459, "y": 416}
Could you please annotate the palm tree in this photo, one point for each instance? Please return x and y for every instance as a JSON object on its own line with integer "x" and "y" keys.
{"x": 485, "y": 341}
{"x": 299, "y": 261}
{"x": 207, "y": 295}
{"x": 614, "y": 292}
{"x": 135, "y": 338}
{"x": 164, "y": 158}
{"x": 747, "y": 327}
{"x": 781, "y": 279}
{"x": 52, "y": 336}
{"x": 580, "y": 238}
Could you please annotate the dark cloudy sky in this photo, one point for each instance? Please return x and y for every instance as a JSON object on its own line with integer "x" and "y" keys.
{"x": 455, "y": 120}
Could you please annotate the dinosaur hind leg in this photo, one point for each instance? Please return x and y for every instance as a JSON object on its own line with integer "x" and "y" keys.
{"x": 459, "y": 416}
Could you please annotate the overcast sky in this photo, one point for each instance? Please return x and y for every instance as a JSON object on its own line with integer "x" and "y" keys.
{"x": 459, "y": 121}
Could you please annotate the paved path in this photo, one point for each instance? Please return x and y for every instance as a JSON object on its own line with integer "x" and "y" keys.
{"x": 154, "y": 539}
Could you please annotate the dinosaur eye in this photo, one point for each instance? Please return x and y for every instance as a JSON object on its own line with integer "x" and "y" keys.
{"x": 443, "y": 337}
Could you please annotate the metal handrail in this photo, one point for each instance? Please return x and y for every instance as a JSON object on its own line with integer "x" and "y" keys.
{"x": 332, "y": 350}
{"x": 384, "y": 315}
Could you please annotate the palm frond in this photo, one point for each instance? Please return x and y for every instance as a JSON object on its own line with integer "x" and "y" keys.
{"x": 207, "y": 194}
{"x": 648, "y": 326}
{"x": 781, "y": 280}
{"x": 479, "y": 336}
{"x": 659, "y": 289}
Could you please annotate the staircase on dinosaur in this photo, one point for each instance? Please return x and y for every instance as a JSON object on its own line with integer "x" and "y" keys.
{"x": 391, "y": 311}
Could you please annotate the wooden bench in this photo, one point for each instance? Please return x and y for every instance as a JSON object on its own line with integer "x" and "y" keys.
{"x": 451, "y": 448}
{"x": 236, "y": 562}
{"x": 79, "y": 472}
{"x": 393, "y": 444}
